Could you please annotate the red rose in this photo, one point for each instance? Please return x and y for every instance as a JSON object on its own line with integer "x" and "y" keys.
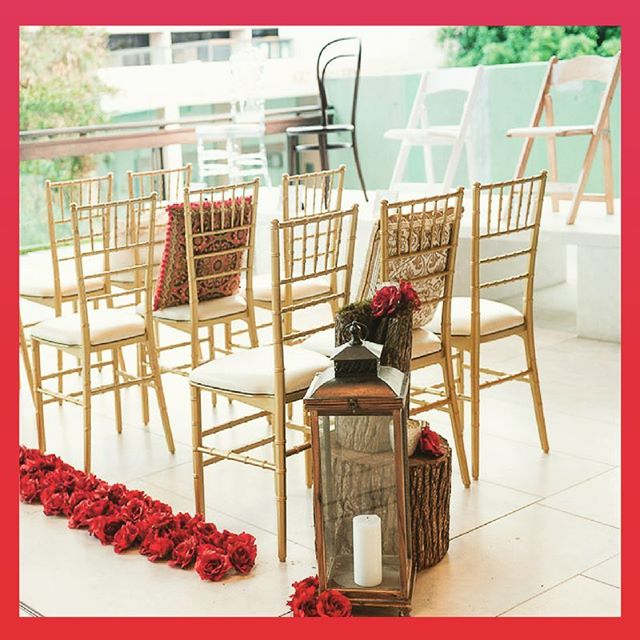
{"x": 409, "y": 295}
{"x": 304, "y": 603}
{"x": 126, "y": 537}
{"x": 156, "y": 546}
{"x": 207, "y": 533}
{"x": 184, "y": 553}
{"x": 430, "y": 443}
{"x": 116, "y": 493}
{"x": 242, "y": 553}
{"x": 333, "y": 604}
{"x": 385, "y": 301}
{"x": 54, "y": 500}
{"x": 88, "y": 509}
{"x": 133, "y": 510}
{"x": 29, "y": 488}
{"x": 211, "y": 564}
{"x": 105, "y": 528}
{"x": 311, "y": 581}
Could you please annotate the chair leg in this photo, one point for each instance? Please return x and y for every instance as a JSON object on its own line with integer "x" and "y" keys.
{"x": 116, "y": 391}
{"x": 37, "y": 382}
{"x": 252, "y": 329}
{"x": 292, "y": 153}
{"x": 157, "y": 383}
{"x": 279, "y": 445}
{"x": 60, "y": 364}
{"x": 356, "y": 157}
{"x": 459, "y": 358}
{"x": 582, "y": 180}
{"x": 196, "y": 438}
{"x": 212, "y": 355}
{"x": 26, "y": 361}
{"x": 475, "y": 410}
{"x": 228, "y": 344}
{"x": 86, "y": 408}
{"x": 534, "y": 383}
{"x": 551, "y": 152}
{"x": 144, "y": 388}
{"x": 456, "y": 422}
{"x": 324, "y": 154}
{"x": 608, "y": 171}
{"x": 452, "y": 165}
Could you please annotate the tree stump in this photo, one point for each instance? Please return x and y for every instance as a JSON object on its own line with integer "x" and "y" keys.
{"x": 430, "y": 495}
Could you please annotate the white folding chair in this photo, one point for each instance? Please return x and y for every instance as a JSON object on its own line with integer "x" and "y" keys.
{"x": 420, "y": 133}
{"x": 577, "y": 70}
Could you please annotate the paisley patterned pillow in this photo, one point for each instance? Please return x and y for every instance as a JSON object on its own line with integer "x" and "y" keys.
{"x": 172, "y": 288}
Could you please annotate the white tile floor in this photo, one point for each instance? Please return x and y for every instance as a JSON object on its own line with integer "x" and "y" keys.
{"x": 538, "y": 535}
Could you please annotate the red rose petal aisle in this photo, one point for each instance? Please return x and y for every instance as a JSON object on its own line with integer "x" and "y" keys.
{"x": 128, "y": 519}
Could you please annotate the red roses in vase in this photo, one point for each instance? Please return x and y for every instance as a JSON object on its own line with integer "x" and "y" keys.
{"x": 392, "y": 300}
{"x": 307, "y": 602}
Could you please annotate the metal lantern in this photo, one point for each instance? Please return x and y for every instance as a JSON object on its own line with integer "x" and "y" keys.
{"x": 357, "y": 413}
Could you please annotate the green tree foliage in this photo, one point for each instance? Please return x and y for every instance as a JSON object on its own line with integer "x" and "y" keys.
{"x": 59, "y": 87}
{"x": 469, "y": 46}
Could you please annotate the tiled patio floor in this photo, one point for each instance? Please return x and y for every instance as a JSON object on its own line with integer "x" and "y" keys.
{"x": 538, "y": 535}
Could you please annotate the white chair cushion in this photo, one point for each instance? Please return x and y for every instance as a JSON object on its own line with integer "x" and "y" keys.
{"x": 494, "y": 316}
{"x": 105, "y": 325}
{"x": 251, "y": 371}
{"x": 207, "y": 309}
{"x": 304, "y": 289}
{"x": 424, "y": 342}
{"x": 323, "y": 342}
{"x": 40, "y": 285}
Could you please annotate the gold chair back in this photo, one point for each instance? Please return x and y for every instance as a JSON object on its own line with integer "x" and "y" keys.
{"x": 236, "y": 221}
{"x": 501, "y": 210}
{"x": 97, "y": 239}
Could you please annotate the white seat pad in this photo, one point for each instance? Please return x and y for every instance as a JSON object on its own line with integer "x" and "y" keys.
{"x": 557, "y": 130}
{"x": 105, "y": 325}
{"x": 494, "y": 316}
{"x": 207, "y": 309}
{"x": 252, "y": 371}
{"x": 323, "y": 342}
{"x": 262, "y": 289}
{"x": 40, "y": 284}
{"x": 424, "y": 342}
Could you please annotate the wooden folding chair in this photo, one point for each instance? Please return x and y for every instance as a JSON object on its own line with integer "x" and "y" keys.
{"x": 235, "y": 221}
{"x": 583, "y": 68}
{"x": 271, "y": 377}
{"x": 502, "y": 210}
{"x": 419, "y": 132}
{"x": 416, "y": 240}
{"x": 96, "y": 240}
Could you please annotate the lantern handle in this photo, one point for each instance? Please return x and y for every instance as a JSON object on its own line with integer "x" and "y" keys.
{"x": 355, "y": 330}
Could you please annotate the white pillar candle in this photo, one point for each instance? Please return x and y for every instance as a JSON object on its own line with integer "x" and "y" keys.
{"x": 367, "y": 550}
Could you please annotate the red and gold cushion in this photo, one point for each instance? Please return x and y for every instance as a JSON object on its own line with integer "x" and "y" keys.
{"x": 172, "y": 288}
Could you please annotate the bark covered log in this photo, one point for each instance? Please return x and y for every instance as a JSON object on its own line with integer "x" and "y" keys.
{"x": 430, "y": 495}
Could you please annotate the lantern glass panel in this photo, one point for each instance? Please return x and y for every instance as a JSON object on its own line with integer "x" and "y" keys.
{"x": 360, "y": 480}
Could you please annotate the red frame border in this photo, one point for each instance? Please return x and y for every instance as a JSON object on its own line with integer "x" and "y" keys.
{"x": 357, "y": 12}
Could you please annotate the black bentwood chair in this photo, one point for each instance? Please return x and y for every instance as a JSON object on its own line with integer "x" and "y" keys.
{"x": 340, "y": 49}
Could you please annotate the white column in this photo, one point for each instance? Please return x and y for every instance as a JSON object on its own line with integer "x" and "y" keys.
{"x": 160, "y": 42}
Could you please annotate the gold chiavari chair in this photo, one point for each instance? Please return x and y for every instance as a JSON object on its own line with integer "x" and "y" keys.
{"x": 58, "y": 286}
{"x": 508, "y": 210}
{"x": 418, "y": 242}
{"x": 271, "y": 377}
{"x": 235, "y": 221}
{"x": 169, "y": 186}
{"x": 304, "y": 195}
{"x": 26, "y": 360}
{"x": 81, "y": 334}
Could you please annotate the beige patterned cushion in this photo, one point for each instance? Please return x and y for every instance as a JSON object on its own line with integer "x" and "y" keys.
{"x": 412, "y": 240}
